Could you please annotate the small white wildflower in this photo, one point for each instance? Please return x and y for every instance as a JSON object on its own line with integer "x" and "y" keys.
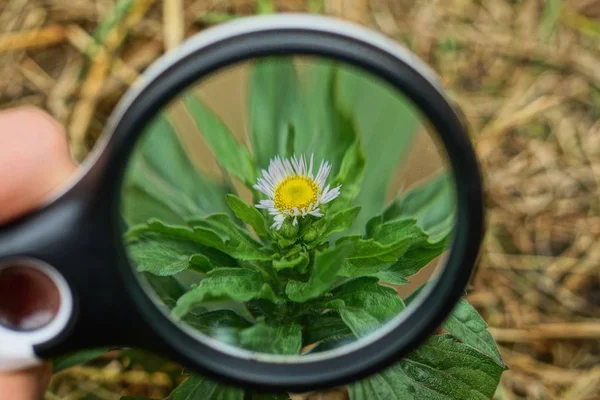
{"x": 292, "y": 189}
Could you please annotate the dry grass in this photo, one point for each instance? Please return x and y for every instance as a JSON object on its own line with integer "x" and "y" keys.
{"x": 527, "y": 75}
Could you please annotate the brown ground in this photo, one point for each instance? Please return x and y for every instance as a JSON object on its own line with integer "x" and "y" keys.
{"x": 527, "y": 74}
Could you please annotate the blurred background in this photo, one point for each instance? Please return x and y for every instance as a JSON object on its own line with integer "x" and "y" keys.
{"x": 526, "y": 74}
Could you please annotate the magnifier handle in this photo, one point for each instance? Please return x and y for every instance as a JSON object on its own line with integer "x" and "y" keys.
{"x": 69, "y": 247}
{"x": 36, "y": 303}
{"x": 16, "y": 355}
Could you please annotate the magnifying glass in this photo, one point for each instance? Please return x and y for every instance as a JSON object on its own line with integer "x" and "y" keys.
{"x": 285, "y": 202}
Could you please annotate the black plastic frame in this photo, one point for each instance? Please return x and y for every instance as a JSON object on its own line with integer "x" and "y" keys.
{"x": 78, "y": 233}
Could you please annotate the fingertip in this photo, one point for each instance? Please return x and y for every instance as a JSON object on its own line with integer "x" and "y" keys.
{"x": 34, "y": 159}
{"x": 24, "y": 385}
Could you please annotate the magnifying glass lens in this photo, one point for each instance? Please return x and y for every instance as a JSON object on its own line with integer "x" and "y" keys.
{"x": 288, "y": 207}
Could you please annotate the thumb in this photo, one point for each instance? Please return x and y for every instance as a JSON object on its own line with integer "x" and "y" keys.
{"x": 34, "y": 160}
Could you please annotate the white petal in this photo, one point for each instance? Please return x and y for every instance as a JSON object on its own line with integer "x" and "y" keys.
{"x": 323, "y": 173}
{"x": 316, "y": 212}
{"x": 278, "y": 222}
{"x": 329, "y": 195}
{"x": 265, "y": 204}
{"x": 310, "y": 166}
{"x": 295, "y": 222}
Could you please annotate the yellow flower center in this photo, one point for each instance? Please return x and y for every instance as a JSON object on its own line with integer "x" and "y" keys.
{"x": 295, "y": 191}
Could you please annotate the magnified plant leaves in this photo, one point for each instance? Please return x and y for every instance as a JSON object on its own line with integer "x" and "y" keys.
{"x": 397, "y": 250}
{"x": 164, "y": 256}
{"x": 228, "y": 152}
{"x": 224, "y": 325}
{"x": 442, "y": 368}
{"x": 231, "y": 238}
{"x": 324, "y": 327}
{"x": 141, "y": 206}
{"x": 411, "y": 262}
{"x": 386, "y": 124}
{"x": 205, "y": 242}
{"x": 368, "y": 257}
{"x": 431, "y": 203}
{"x": 366, "y": 305}
{"x": 238, "y": 284}
{"x": 337, "y": 222}
{"x": 299, "y": 263}
{"x": 276, "y": 339}
{"x": 350, "y": 177}
{"x": 247, "y": 213}
{"x": 322, "y": 275}
{"x": 162, "y": 182}
{"x": 316, "y": 108}
{"x": 272, "y": 101}
{"x": 167, "y": 288}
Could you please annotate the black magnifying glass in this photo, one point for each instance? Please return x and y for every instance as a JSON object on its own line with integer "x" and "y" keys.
{"x": 285, "y": 202}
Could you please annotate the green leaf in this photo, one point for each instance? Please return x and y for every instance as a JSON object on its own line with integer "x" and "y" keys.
{"x": 350, "y": 176}
{"x": 200, "y": 263}
{"x": 163, "y": 256}
{"x": 224, "y": 325}
{"x": 338, "y": 222}
{"x": 233, "y": 156}
{"x": 248, "y": 214}
{"x": 441, "y": 369}
{"x": 161, "y": 182}
{"x": 322, "y": 275}
{"x": 208, "y": 321}
{"x": 316, "y": 109}
{"x": 272, "y": 106}
{"x": 166, "y": 288}
{"x": 139, "y": 205}
{"x": 324, "y": 327}
{"x": 386, "y": 122}
{"x": 198, "y": 387}
{"x": 298, "y": 263}
{"x": 433, "y": 205}
{"x": 390, "y": 242}
{"x": 421, "y": 250}
{"x": 220, "y": 232}
{"x": 466, "y": 324}
{"x": 80, "y": 357}
{"x": 279, "y": 339}
{"x": 203, "y": 241}
{"x": 411, "y": 262}
{"x": 366, "y": 304}
{"x": 289, "y": 144}
{"x": 238, "y": 284}
{"x": 372, "y": 225}
{"x": 405, "y": 230}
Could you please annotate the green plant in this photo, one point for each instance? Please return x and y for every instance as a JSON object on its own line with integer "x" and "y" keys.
{"x": 269, "y": 279}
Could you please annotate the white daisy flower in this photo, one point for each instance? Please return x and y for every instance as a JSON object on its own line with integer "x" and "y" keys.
{"x": 292, "y": 189}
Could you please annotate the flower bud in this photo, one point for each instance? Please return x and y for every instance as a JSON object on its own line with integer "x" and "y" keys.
{"x": 311, "y": 234}
{"x": 289, "y": 230}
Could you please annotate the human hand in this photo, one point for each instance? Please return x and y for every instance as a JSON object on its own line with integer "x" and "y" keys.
{"x": 34, "y": 161}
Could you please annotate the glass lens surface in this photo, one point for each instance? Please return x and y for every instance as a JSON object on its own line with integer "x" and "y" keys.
{"x": 288, "y": 206}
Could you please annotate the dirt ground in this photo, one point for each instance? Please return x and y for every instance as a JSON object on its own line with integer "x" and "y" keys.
{"x": 525, "y": 72}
